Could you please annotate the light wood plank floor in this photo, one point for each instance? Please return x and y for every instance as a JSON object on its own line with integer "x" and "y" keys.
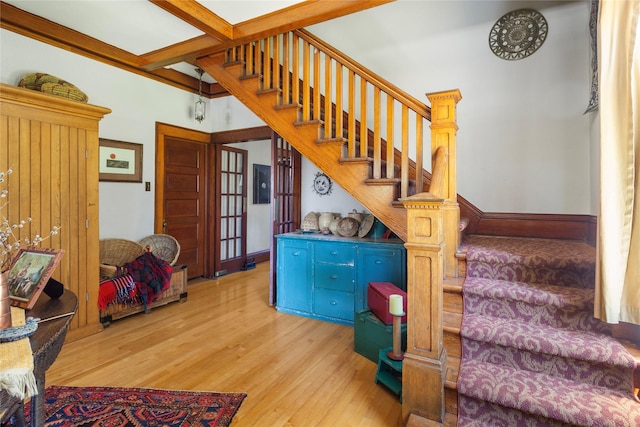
{"x": 225, "y": 337}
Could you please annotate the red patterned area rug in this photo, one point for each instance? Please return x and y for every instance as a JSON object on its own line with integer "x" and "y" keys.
{"x": 122, "y": 407}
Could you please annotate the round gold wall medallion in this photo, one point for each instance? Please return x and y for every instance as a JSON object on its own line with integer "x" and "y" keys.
{"x": 518, "y": 34}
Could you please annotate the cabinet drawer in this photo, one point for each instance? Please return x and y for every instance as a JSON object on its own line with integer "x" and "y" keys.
{"x": 335, "y": 253}
{"x": 332, "y": 276}
{"x": 334, "y": 304}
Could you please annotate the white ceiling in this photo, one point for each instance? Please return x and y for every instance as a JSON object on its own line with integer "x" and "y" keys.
{"x": 139, "y": 26}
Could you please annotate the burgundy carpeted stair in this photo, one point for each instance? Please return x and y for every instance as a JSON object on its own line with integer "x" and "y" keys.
{"x": 532, "y": 352}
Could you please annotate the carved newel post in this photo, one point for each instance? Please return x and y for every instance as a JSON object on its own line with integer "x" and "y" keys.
{"x": 424, "y": 366}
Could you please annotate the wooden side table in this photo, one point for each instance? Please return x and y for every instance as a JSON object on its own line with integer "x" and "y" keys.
{"x": 46, "y": 343}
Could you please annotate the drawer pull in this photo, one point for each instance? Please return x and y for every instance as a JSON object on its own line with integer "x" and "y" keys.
{"x": 334, "y": 252}
{"x": 334, "y": 302}
{"x": 333, "y": 277}
{"x": 378, "y": 261}
{"x": 296, "y": 253}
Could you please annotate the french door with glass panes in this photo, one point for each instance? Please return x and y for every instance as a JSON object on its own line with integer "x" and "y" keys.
{"x": 231, "y": 215}
{"x": 286, "y": 198}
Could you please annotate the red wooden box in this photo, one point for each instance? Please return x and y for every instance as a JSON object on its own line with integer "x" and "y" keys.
{"x": 378, "y": 299}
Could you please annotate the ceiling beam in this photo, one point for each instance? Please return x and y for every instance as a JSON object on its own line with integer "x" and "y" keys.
{"x": 219, "y": 35}
{"x": 186, "y": 51}
{"x": 199, "y": 16}
{"x": 299, "y": 15}
{"x": 43, "y": 30}
{"x": 290, "y": 18}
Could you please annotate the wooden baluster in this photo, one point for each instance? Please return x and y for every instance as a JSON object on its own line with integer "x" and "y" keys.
{"x": 276, "y": 63}
{"x": 339, "y": 112}
{"x": 249, "y": 62}
{"x": 295, "y": 73}
{"x": 267, "y": 64}
{"x": 390, "y": 129}
{"x": 419, "y": 155}
{"x": 363, "y": 119}
{"x": 404, "y": 165}
{"x": 257, "y": 58}
{"x": 306, "y": 74}
{"x": 351, "y": 146}
{"x": 317, "y": 106}
{"x": 328, "y": 116}
{"x": 377, "y": 146}
{"x": 286, "y": 76}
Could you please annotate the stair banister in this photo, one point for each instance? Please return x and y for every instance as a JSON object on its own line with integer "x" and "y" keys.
{"x": 315, "y": 127}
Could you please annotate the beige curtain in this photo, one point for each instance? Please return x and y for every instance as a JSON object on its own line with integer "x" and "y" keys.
{"x": 618, "y": 267}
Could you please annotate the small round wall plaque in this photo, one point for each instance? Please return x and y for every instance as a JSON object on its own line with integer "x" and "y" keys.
{"x": 322, "y": 184}
{"x": 518, "y": 34}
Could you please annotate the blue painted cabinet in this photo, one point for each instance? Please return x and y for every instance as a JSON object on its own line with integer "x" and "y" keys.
{"x": 326, "y": 277}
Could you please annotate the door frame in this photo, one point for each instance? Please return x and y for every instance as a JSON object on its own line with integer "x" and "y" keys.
{"x": 164, "y": 130}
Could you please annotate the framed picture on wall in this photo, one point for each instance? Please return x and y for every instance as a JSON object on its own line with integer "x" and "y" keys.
{"x": 261, "y": 184}
{"x": 120, "y": 161}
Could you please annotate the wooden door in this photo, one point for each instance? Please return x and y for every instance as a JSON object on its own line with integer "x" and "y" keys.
{"x": 184, "y": 200}
{"x": 286, "y": 197}
{"x": 231, "y": 215}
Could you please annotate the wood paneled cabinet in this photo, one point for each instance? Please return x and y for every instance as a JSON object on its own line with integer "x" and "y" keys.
{"x": 51, "y": 144}
{"x": 326, "y": 277}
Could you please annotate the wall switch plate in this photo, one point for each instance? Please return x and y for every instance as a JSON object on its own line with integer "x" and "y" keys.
{"x": 147, "y": 186}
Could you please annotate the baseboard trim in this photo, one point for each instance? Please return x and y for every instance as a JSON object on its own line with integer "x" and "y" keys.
{"x": 260, "y": 256}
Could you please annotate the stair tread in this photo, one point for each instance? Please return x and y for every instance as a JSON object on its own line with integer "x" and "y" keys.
{"x": 453, "y": 284}
{"x": 531, "y": 251}
{"x": 548, "y": 396}
{"x": 532, "y": 293}
{"x": 540, "y": 338}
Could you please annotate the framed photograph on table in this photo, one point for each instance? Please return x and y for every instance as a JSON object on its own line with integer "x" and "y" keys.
{"x": 120, "y": 161}
{"x": 30, "y": 270}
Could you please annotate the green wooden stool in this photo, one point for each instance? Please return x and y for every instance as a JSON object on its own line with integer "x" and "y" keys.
{"x": 389, "y": 372}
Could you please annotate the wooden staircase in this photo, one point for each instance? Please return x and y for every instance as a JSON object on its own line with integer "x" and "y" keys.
{"x": 368, "y": 136}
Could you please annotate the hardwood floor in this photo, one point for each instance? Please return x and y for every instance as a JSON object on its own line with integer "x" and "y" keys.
{"x": 225, "y": 337}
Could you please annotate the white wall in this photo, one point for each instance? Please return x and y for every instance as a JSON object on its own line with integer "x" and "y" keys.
{"x": 524, "y": 144}
{"x": 339, "y": 201}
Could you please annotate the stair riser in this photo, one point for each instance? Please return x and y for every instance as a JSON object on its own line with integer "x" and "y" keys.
{"x": 452, "y": 302}
{"x": 596, "y": 374}
{"x": 452, "y": 343}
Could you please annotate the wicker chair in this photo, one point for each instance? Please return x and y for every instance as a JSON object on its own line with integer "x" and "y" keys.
{"x": 115, "y": 253}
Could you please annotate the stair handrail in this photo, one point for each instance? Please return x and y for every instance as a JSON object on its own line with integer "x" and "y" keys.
{"x": 399, "y": 94}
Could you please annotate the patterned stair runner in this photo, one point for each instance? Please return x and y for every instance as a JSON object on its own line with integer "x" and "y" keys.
{"x": 532, "y": 352}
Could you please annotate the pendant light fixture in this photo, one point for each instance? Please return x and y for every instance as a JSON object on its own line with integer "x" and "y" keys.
{"x": 200, "y": 105}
